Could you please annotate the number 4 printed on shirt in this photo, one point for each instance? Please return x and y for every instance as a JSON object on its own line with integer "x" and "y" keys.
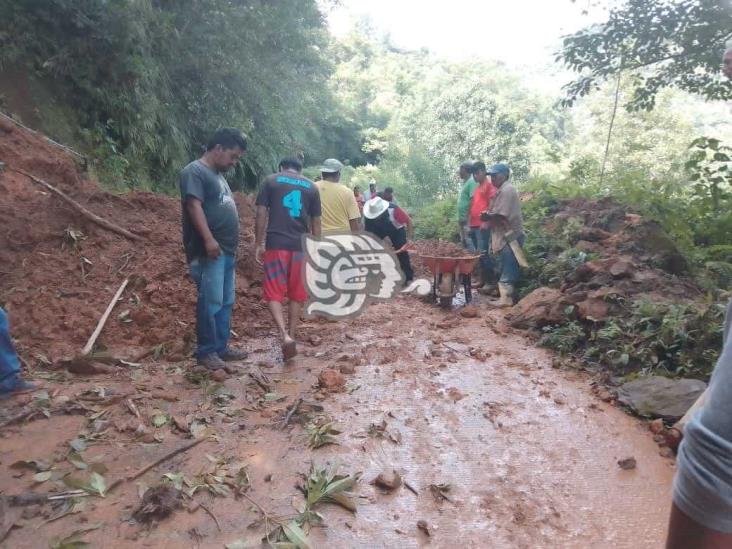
{"x": 293, "y": 202}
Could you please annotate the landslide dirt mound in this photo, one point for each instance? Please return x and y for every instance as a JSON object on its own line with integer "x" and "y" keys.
{"x": 611, "y": 255}
{"x": 615, "y": 290}
{"x": 58, "y": 271}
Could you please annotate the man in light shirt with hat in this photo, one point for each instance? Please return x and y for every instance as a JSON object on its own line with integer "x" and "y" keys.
{"x": 338, "y": 203}
{"x": 506, "y": 224}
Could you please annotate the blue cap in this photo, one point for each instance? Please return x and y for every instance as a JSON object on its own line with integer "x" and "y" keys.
{"x": 499, "y": 168}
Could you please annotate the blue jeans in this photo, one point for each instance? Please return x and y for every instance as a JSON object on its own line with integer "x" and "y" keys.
{"x": 215, "y": 280}
{"x": 9, "y": 362}
{"x": 469, "y": 241}
{"x": 508, "y": 266}
{"x": 481, "y": 238}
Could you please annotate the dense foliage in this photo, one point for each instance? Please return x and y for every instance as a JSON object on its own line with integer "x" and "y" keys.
{"x": 150, "y": 79}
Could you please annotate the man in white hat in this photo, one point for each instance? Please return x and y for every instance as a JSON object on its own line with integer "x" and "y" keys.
{"x": 338, "y": 203}
{"x": 386, "y": 219}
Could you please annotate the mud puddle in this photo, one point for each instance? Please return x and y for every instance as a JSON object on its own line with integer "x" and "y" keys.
{"x": 526, "y": 456}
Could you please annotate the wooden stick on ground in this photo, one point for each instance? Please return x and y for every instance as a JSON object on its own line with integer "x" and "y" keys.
{"x": 157, "y": 462}
{"x": 291, "y": 412}
{"x": 79, "y": 208}
{"x": 210, "y": 514}
{"x": 102, "y": 321}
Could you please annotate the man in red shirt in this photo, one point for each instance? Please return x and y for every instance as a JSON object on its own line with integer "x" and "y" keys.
{"x": 479, "y": 231}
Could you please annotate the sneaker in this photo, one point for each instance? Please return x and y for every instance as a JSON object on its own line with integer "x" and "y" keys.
{"x": 211, "y": 362}
{"x": 19, "y": 387}
{"x": 233, "y": 355}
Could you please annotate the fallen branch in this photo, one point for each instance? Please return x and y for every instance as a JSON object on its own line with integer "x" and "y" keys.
{"x": 210, "y": 513}
{"x": 102, "y": 321}
{"x": 51, "y": 141}
{"x": 67, "y": 409}
{"x": 30, "y": 498}
{"x": 19, "y": 417}
{"x": 155, "y": 463}
{"x": 291, "y": 412}
{"x": 94, "y": 218}
{"x": 267, "y": 519}
{"x": 411, "y": 488}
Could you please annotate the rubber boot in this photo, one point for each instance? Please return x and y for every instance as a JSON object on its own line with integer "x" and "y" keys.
{"x": 506, "y": 291}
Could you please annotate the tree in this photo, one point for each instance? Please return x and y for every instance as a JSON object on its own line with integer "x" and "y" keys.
{"x": 664, "y": 43}
{"x": 151, "y": 79}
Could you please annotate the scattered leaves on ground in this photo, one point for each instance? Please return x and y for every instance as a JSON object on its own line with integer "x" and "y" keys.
{"x": 324, "y": 485}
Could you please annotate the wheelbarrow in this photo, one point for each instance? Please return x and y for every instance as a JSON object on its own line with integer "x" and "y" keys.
{"x": 449, "y": 274}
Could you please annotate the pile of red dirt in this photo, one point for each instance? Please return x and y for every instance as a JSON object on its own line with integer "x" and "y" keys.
{"x": 58, "y": 270}
{"x": 434, "y": 248}
{"x": 439, "y": 248}
{"x": 625, "y": 256}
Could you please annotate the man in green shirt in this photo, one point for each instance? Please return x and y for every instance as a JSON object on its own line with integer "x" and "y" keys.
{"x": 463, "y": 206}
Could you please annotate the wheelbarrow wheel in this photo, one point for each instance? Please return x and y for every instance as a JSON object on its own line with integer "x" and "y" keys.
{"x": 445, "y": 301}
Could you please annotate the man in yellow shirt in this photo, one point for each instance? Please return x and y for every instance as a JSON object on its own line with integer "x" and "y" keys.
{"x": 340, "y": 210}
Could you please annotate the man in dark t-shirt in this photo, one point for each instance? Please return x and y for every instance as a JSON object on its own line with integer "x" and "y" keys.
{"x": 210, "y": 237}
{"x": 288, "y": 206}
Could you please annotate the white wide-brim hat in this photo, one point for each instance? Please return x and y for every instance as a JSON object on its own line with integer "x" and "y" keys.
{"x": 375, "y": 207}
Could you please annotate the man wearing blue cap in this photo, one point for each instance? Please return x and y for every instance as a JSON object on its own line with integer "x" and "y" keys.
{"x": 507, "y": 228}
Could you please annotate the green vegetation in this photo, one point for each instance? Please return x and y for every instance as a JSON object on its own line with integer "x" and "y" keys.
{"x": 151, "y": 79}
{"x": 663, "y": 43}
{"x": 648, "y": 338}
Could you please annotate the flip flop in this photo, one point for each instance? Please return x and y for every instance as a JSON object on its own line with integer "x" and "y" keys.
{"x": 289, "y": 350}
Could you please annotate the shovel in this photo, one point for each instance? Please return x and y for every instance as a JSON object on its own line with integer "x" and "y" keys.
{"x": 512, "y": 237}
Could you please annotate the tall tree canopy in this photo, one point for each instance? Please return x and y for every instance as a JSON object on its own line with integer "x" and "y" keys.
{"x": 664, "y": 43}
{"x": 151, "y": 79}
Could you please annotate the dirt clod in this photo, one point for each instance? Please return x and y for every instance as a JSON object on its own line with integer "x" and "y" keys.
{"x": 673, "y": 438}
{"x": 83, "y": 366}
{"x": 422, "y": 525}
{"x": 627, "y": 464}
{"x": 347, "y": 369}
{"x": 332, "y": 380}
{"x": 470, "y": 311}
{"x": 219, "y": 375}
{"x": 388, "y": 480}
{"x": 455, "y": 394}
{"x": 604, "y": 395}
{"x": 666, "y": 452}
{"x": 656, "y": 426}
{"x": 158, "y": 503}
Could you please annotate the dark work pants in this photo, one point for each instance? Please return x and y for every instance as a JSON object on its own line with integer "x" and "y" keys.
{"x": 398, "y": 239}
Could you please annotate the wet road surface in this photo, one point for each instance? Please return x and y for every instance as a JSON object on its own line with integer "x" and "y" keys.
{"x": 529, "y": 454}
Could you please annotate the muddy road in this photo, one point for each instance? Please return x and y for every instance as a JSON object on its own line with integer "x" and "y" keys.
{"x": 529, "y": 454}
